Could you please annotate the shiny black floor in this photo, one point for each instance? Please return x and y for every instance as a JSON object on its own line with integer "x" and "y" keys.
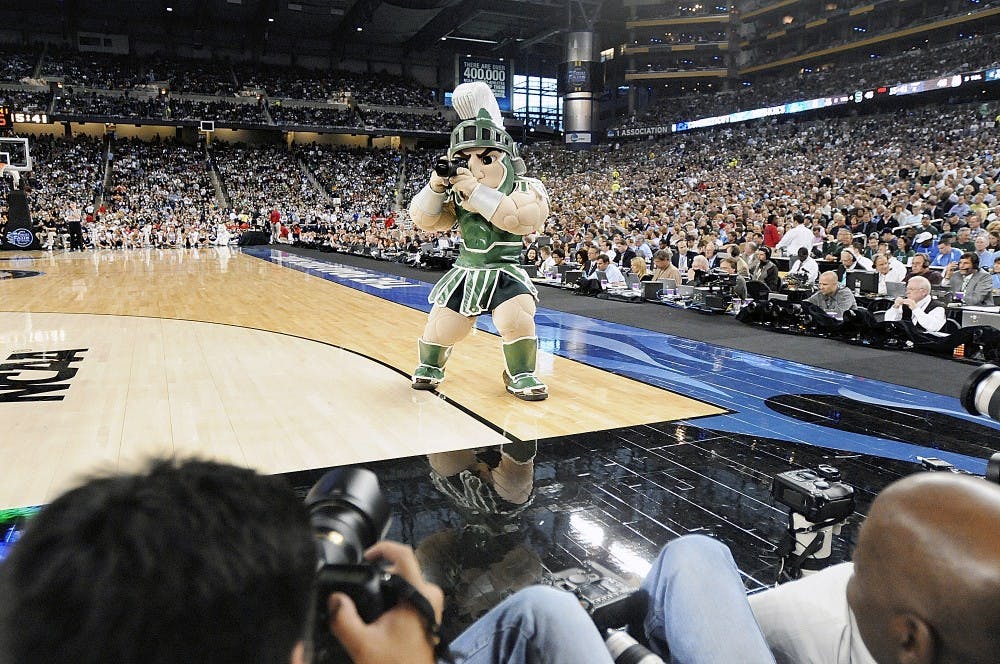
{"x": 614, "y": 497}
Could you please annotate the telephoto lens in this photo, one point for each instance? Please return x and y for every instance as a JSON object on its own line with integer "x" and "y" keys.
{"x": 981, "y": 392}
{"x": 348, "y": 514}
{"x": 626, "y": 650}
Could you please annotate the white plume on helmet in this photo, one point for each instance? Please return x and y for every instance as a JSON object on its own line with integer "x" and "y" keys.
{"x": 470, "y": 98}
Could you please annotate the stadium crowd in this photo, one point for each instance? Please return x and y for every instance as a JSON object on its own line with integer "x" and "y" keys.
{"x": 767, "y": 90}
{"x": 320, "y": 116}
{"x": 928, "y": 187}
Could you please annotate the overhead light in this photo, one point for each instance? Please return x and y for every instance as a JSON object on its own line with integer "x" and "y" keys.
{"x": 473, "y": 39}
{"x": 270, "y": 20}
{"x": 170, "y": 9}
{"x": 360, "y": 29}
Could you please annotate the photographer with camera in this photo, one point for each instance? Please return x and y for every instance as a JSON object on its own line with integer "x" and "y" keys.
{"x": 924, "y": 585}
{"x": 198, "y": 561}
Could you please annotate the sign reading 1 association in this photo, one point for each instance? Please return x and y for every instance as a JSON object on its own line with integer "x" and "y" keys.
{"x": 494, "y": 72}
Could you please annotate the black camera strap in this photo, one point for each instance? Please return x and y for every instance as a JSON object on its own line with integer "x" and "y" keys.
{"x": 406, "y": 592}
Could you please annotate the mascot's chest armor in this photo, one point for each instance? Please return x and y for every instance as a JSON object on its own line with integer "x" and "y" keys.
{"x": 484, "y": 244}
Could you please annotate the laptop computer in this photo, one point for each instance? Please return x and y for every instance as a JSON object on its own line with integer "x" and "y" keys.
{"x": 669, "y": 283}
{"x": 631, "y": 280}
{"x": 651, "y": 289}
{"x": 532, "y": 270}
{"x": 572, "y": 276}
{"x": 865, "y": 282}
{"x": 895, "y": 289}
{"x": 684, "y": 289}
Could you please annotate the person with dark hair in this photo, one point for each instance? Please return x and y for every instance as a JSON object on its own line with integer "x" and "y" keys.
{"x": 766, "y": 272}
{"x": 921, "y": 267}
{"x": 805, "y": 266}
{"x": 903, "y": 253}
{"x": 663, "y": 268}
{"x": 969, "y": 284}
{"x": 197, "y": 561}
{"x": 183, "y": 562}
{"x": 771, "y": 233}
{"x": 946, "y": 255}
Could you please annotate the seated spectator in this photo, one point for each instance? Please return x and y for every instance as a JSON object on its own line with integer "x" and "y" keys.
{"x": 683, "y": 257}
{"x": 766, "y": 272}
{"x": 663, "y": 268}
{"x": 917, "y": 307}
{"x": 612, "y": 274}
{"x": 981, "y": 249}
{"x": 968, "y": 283}
{"x": 903, "y": 252}
{"x": 888, "y": 270}
{"x": 638, "y": 268}
{"x": 920, "y": 267}
{"x": 699, "y": 271}
{"x": 832, "y": 297}
{"x": 728, "y": 266}
{"x": 530, "y": 257}
{"x": 996, "y": 275}
{"x": 806, "y": 266}
{"x": 849, "y": 263}
{"x": 946, "y": 255}
{"x": 550, "y": 266}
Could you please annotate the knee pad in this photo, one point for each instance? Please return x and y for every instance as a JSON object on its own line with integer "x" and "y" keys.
{"x": 515, "y": 318}
{"x": 446, "y": 327}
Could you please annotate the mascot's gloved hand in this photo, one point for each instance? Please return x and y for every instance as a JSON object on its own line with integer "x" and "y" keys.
{"x": 437, "y": 183}
{"x": 476, "y": 197}
{"x": 464, "y": 182}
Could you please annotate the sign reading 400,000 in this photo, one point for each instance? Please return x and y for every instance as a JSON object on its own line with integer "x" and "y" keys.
{"x": 495, "y": 73}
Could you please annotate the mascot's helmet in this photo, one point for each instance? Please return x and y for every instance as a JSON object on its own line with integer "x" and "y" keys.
{"x": 481, "y": 124}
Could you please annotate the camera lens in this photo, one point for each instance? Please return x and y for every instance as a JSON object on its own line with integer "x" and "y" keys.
{"x": 348, "y": 514}
{"x": 981, "y": 392}
{"x": 993, "y": 469}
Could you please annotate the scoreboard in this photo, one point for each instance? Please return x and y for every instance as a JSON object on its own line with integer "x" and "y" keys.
{"x": 9, "y": 116}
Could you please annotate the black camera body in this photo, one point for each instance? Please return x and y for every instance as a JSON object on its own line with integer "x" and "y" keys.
{"x": 348, "y": 514}
{"x": 448, "y": 168}
{"x": 818, "y": 495}
{"x": 600, "y": 591}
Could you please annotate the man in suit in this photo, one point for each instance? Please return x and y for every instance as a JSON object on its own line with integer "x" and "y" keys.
{"x": 975, "y": 286}
{"x": 683, "y": 257}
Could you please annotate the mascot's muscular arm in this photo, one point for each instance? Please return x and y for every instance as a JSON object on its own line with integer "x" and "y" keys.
{"x": 428, "y": 208}
{"x": 521, "y": 212}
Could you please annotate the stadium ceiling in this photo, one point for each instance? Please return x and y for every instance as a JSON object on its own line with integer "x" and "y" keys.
{"x": 514, "y": 28}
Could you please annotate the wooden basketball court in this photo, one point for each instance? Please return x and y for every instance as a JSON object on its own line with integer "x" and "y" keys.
{"x": 224, "y": 355}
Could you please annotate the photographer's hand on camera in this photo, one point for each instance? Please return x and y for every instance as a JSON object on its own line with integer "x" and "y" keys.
{"x": 400, "y": 634}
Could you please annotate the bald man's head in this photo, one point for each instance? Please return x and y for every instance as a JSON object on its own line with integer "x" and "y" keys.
{"x": 926, "y": 584}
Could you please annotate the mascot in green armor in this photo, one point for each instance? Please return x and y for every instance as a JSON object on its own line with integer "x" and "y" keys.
{"x": 494, "y": 205}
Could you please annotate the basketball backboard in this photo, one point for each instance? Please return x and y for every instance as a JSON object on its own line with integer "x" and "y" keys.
{"x": 18, "y": 156}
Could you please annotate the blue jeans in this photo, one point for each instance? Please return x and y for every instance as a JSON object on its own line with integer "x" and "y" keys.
{"x": 698, "y": 606}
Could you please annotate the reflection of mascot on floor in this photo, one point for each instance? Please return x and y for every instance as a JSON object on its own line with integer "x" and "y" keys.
{"x": 494, "y": 206}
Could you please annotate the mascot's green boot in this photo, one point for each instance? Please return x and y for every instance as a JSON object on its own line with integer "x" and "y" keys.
{"x": 519, "y": 376}
{"x": 430, "y": 372}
